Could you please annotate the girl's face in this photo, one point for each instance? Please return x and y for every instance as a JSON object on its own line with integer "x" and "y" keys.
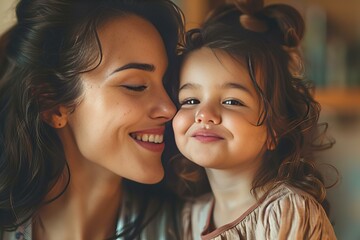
{"x": 119, "y": 123}
{"x": 215, "y": 126}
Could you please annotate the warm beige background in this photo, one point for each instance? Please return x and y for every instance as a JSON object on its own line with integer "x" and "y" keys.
{"x": 7, "y": 14}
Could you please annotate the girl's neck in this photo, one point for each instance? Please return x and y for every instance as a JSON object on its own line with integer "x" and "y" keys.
{"x": 232, "y": 193}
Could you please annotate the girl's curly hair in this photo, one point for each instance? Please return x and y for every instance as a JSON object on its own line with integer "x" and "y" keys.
{"x": 267, "y": 39}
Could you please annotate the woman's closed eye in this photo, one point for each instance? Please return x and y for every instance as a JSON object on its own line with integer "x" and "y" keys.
{"x": 135, "y": 88}
{"x": 189, "y": 101}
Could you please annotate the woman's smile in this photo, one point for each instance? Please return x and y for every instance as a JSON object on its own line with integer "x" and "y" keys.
{"x": 151, "y": 139}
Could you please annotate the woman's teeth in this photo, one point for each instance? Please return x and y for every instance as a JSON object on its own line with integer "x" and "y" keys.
{"x": 153, "y": 138}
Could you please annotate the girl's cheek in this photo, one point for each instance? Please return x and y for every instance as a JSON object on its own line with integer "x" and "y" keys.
{"x": 180, "y": 122}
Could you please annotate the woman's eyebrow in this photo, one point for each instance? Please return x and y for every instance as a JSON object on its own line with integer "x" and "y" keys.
{"x": 141, "y": 66}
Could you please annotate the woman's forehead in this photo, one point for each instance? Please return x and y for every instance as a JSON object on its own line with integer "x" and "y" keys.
{"x": 130, "y": 39}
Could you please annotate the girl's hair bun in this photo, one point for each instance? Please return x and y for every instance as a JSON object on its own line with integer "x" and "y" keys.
{"x": 249, "y": 19}
{"x": 249, "y": 7}
{"x": 275, "y": 17}
{"x": 289, "y": 21}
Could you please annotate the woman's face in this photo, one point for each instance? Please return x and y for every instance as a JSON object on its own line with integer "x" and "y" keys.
{"x": 119, "y": 123}
{"x": 216, "y": 124}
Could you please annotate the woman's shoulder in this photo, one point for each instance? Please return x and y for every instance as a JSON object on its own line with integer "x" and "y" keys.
{"x": 160, "y": 213}
{"x": 23, "y": 232}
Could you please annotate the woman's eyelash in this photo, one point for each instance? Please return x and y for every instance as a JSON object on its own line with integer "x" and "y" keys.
{"x": 135, "y": 88}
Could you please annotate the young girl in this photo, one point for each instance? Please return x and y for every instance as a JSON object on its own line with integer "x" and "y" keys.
{"x": 247, "y": 117}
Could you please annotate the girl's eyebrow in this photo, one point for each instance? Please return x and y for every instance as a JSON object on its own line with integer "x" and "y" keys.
{"x": 189, "y": 86}
{"x": 141, "y": 66}
{"x": 236, "y": 86}
{"x": 224, "y": 86}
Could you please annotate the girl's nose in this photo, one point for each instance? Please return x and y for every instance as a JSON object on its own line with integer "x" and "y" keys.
{"x": 207, "y": 115}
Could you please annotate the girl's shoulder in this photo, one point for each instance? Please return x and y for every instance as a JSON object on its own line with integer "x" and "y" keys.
{"x": 291, "y": 202}
{"x": 285, "y": 195}
{"x": 284, "y": 212}
{"x": 288, "y": 212}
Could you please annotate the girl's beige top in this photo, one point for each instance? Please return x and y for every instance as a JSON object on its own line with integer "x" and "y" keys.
{"x": 285, "y": 212}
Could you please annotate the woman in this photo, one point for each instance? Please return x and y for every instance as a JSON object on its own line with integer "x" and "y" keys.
{"x": 83, "y": 107}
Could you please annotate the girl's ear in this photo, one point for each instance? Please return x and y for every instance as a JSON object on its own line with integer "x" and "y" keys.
{"x": 271, "y": 143}
{"x": 296, "y": 65}
{"x": 56, "y": 117}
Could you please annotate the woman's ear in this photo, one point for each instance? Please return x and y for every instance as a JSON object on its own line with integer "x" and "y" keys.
{"x": 56, "y": 117}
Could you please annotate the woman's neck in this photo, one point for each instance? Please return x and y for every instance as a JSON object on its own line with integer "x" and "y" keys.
{"x": 85, "y": 211}
{"x": 88, "y": 209}
{"x": 232, "y": 193}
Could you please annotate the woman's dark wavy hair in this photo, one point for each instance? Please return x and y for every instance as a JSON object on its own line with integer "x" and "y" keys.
{"x": 41, "y": 59}
{"x": 268, "y": 45}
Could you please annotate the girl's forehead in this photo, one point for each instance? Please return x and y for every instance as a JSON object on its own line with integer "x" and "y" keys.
{"x": 213, "y": 61}
{"x": 209, "y": 67}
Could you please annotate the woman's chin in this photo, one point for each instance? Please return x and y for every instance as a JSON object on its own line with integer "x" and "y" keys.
{"x": 146, "y": 178}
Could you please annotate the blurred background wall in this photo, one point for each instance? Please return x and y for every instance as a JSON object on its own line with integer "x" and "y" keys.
{"x": 332, "y": 53}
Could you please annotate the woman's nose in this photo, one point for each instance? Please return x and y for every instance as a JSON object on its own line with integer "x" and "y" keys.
{"x": 163, "y": 108}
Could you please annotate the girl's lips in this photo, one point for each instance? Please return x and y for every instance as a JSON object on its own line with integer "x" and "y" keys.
{"x": 205, "y": 136}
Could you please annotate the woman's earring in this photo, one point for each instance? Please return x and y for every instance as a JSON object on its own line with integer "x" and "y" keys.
{"x": 56, "y": 117}
{"x": 59, "y": 124}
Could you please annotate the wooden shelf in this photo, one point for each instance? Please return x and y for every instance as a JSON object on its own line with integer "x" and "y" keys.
{"x": 339, "y": 99}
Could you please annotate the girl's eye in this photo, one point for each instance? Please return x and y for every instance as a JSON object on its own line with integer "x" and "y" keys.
{"x": 135, "y": 88}
{"x": 233, "y": 102}
{"x": 190, "y": 101}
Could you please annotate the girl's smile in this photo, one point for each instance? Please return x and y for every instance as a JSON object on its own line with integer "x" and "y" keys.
{"x": 206, "y": 136}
